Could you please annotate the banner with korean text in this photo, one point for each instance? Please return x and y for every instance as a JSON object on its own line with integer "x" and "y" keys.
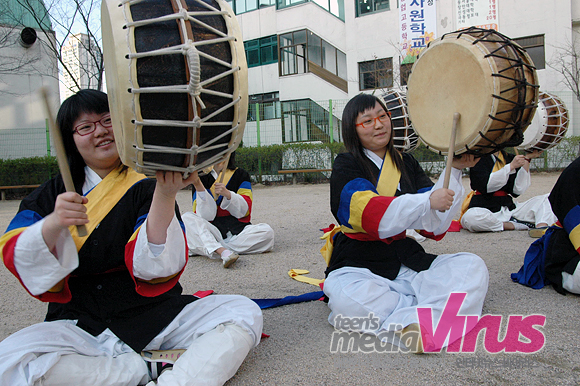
{"x": 477, "y": 13}
{"x": 418, "y": 26}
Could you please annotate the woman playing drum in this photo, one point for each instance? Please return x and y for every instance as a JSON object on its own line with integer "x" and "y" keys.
{"x": 496, "y": 180}
{"x": 376, "y": 194}
{"x": 114, "y": 293}
{"x": 220, "y": 221}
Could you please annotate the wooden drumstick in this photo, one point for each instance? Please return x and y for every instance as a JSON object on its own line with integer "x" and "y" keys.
{"x": 227, "y": 160}
{"x": 60, "y": 154}
{"x": 450, "y": 154}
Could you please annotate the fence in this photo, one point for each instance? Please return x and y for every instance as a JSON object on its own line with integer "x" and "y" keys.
{"x": 298, "y": 122}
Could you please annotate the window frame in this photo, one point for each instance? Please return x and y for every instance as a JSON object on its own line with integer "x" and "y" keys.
{"x": 541, "y": 64}
{"x": 389, "y": 69}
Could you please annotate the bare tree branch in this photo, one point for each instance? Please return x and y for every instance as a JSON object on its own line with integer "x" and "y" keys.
{"x": 566, "y": 60}
{"x": 68, "y": 17}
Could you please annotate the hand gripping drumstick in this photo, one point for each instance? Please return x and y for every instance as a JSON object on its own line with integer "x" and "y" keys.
{"x": 450, "y": 154}
{"x": 60, "y": 154}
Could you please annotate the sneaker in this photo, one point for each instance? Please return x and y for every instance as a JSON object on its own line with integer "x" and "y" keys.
{"x": 229, "y": 258}
{"x": 159, "y": 361}
{"x": 537, "y": 232}
{"x": 519, "y": 226}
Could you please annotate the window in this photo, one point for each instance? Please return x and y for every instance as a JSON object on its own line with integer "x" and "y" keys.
{"x": 269, "y": 106}
{"x": 293, "y": 53}
{"x": 300, "y": 48}
{"x": 332, "y": 6}
{"x": 534, "y": 46}
{"x": 405, "y": 72}
{"x": 365, "y": 7}
{"x": 242, "y": 6}
{"x": 262, "y": 51}
{"x": 375, "y": 74}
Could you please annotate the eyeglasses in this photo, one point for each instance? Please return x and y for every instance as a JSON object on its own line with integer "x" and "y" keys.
{"x": 87, "y": 128}
{"x": 370, "y": 122}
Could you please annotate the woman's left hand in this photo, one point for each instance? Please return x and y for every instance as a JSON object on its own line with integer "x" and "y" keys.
{"x": 464, "y": 161}
{"x": 169, "y": 183}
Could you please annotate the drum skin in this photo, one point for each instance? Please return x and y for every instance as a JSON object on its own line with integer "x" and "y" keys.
{"x": 404, "y": 137}
{"x": 160, "y": 121}
{"x": 481, "y": 74}
{"x": 548, "y": 126}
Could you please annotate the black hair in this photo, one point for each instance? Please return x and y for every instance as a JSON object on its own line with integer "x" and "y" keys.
{"x": 84, "y": 101}
{"x": 232, "y": 161}
{"x": 357, "y": 105}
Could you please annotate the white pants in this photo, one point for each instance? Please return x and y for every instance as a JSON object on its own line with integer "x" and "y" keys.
{"x": 572, "y": 282}
{"x": 203, "y": 238}
{"x": 48, "y": 353}
{"x": 357, "y": 292}
{"x": 536, "y": 210}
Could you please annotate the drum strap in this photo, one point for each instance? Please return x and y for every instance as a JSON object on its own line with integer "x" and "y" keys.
{"x": 103, "y": 197}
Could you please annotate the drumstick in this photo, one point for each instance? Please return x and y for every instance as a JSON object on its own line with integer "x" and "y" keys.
{"x": 225, "y": 168}
{"x": 450, "y": 154}
{"x": 60, "y": 154}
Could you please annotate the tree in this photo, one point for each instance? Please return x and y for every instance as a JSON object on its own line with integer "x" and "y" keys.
{"x": 68, "y": 18}
{"x": 566, "y": 60}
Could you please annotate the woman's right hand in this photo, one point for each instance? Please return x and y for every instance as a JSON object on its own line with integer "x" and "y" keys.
{"x": 441, "y": 199}
{"x": 69, "y": 209}
{"x": 518, "y": 161}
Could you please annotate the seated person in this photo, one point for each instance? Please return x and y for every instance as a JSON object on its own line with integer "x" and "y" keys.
{"x": 496, "y": 180}
{"x": 554, "y": 258}
{"x": 219, "y": 225}
{"x": 376, "y": 193}
{"x": 115, "y": 293}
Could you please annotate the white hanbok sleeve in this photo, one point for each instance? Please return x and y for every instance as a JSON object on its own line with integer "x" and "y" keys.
{"x": 205, "y": 205}
{"x": 413, "y": 211}
{"x": 237, "y": 205}
{"x": 522, "y": 182}
{"x": 152, "y": 261}
{"x": 37, "y": 267}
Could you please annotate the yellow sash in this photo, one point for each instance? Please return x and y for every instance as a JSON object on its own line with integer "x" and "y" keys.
{"x": 103, "y": 197}
{"x": 228, "y": 176}
{"x": 389, "y": 177}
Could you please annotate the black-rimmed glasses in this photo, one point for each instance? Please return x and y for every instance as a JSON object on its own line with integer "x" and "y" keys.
{"x": 87, "y": 128}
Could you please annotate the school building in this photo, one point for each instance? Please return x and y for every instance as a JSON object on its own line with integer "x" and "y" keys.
{"x": 306, "y": 58}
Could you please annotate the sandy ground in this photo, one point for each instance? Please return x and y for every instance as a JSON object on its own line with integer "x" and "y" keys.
{"x": 298, "y": 349}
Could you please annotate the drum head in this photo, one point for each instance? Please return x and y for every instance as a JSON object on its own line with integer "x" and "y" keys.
{"x": 449, "y": 77}
{"x": 536, "y": 129}
{"x": 472, "y": 73}
{"x": 177, "y": 82}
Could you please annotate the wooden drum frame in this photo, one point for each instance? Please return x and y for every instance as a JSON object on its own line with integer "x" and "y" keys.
{"x": 482, "y": 75}
{"x": 177, "y": 82}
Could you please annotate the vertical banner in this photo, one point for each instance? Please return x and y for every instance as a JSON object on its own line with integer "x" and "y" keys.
{"x": 477, "y": 13}
{"x": 418, "y": 27}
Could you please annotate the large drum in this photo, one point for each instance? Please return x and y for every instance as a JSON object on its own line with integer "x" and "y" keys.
{"x": 177, "y": 82}
{"x": 482, "y": 75}
{"x": 549, "y": 125}
{"x": 404, "y": 137}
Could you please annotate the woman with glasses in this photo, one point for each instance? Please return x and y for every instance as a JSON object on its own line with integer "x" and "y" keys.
{"x": 115, "y": 306}
{"x": 375, "y": 272}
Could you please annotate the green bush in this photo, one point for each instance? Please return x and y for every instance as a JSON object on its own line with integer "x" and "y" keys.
{"x": 27, "y": 171}
{"x": 271, "y": 156}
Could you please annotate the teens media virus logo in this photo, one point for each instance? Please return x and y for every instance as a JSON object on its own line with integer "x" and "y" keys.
{"x": 458, "y": 332}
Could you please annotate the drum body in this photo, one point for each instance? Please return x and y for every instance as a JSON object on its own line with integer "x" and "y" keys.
{"x": 549, "y": 125}
{"x": 404, "y": 137}
{"x": 480, "y": 74}
{"x": 177, "y": 82}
